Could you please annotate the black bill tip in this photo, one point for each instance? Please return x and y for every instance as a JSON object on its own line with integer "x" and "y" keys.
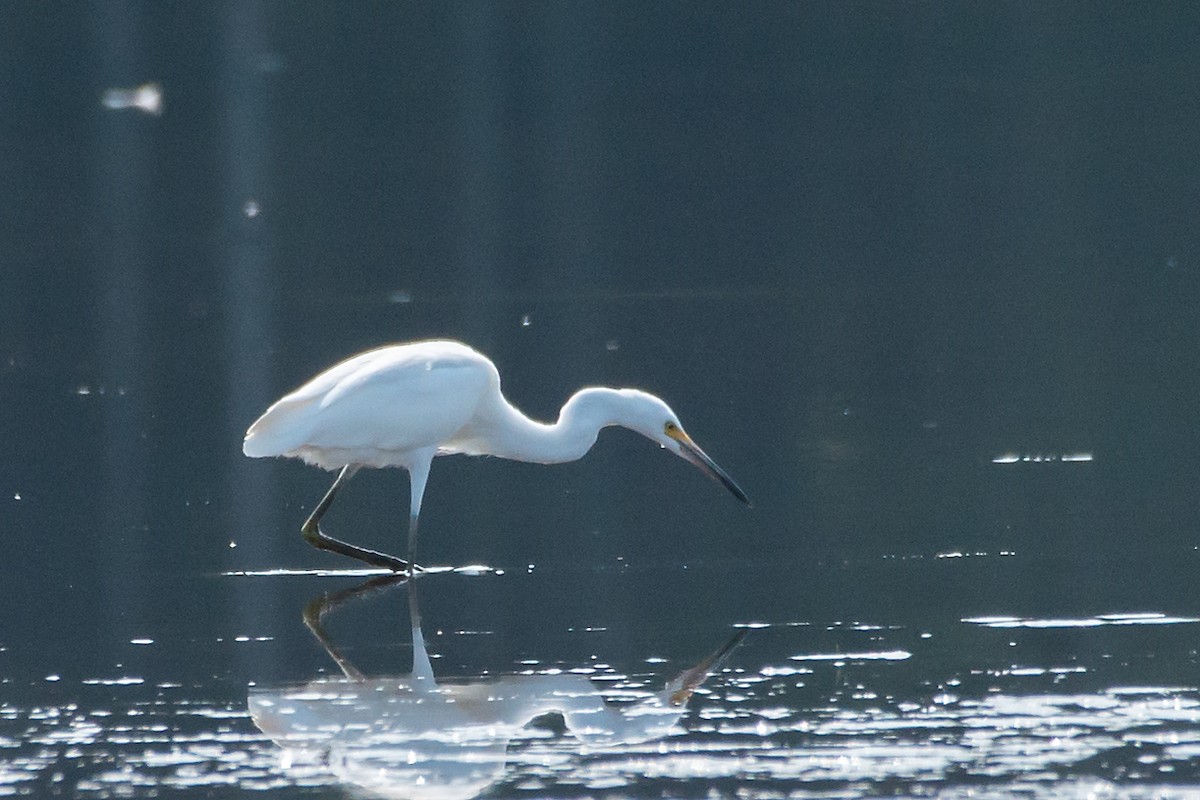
{"x": 694, "y": 454}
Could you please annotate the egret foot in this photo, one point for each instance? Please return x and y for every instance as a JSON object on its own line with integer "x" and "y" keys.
{"x": 313, "y": 535}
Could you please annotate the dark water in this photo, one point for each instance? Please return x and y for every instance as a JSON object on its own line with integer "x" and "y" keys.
{"x": 923, "y": 278}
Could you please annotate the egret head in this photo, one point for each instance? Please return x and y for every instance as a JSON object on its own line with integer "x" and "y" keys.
{"x": 655, "y": 420}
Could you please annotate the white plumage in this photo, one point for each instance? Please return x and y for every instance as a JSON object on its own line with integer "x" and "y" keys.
{"x": 402, "y": 405}
{"x": 378, "y": 406}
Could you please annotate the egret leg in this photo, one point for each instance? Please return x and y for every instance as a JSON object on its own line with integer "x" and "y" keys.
{"x": 312, "y": 533}
{"x": 412, "y": 538}
{"x": 418, "y": 474}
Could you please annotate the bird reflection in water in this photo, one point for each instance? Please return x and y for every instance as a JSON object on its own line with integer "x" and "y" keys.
{"x": 415, "y": 737}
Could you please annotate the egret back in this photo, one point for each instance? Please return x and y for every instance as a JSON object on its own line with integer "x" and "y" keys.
{"x": 377, "y": 407}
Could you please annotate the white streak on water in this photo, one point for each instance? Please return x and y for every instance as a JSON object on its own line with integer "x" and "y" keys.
{"x": 1085, "y": 622}
{"x": 1042, "y": 458}
{"x": 471, "y": 569}
{"x": 881, "y": 655}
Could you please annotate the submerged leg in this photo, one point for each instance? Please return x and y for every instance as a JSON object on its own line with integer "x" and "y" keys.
{"x": 312, "y": 533}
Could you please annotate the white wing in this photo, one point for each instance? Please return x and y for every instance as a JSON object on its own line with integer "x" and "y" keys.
{"x": 394, "y": 399}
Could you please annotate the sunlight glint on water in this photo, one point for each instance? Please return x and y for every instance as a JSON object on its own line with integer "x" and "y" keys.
{"x": 766, "y": 729}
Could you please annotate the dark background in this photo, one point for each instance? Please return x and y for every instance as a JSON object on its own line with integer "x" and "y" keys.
{"x": 861, "y": 248}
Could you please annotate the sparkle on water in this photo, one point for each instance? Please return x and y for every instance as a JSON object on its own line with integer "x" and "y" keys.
{"x": 778, "y": 719}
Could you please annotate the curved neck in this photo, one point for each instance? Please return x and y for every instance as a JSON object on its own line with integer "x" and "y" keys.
{"x": 568, "y": 439}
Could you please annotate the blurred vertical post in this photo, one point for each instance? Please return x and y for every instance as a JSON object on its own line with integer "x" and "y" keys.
{"x": 248, "y": 299}
{"x": 479, "y": 206}
{"x": 478, "y": 184}
{"x": 122, "y": 242}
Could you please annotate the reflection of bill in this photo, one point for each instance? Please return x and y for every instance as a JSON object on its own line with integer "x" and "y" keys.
{"x": 412, "y": 736}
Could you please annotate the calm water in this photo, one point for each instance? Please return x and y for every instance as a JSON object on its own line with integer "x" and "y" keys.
{"x": 923, "y": 279}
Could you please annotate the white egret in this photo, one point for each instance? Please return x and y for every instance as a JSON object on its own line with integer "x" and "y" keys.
{"x": 401, "y": 405}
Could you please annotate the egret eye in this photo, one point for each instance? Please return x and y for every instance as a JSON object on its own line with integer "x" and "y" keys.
{"x": 670, "y": 428}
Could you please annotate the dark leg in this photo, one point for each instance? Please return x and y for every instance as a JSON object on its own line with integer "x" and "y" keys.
{"x": 313, "y": 535}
